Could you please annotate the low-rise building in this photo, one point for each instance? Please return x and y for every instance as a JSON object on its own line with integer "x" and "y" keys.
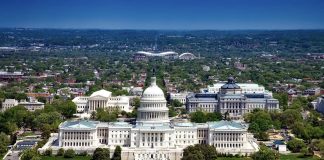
{"x": 32, "y": 104}
{"x": 8, "y": 103}
{"x": 181, "y": 97}
{"x": 312, "y": 91}
{"x": 319, "y": 104}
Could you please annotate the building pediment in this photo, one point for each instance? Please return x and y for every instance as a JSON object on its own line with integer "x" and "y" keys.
{"x": 98, "y": 97}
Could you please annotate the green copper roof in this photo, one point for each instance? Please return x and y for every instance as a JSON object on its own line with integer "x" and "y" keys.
{"x": 226, "y": 125}
{"x": 80, "y": 124}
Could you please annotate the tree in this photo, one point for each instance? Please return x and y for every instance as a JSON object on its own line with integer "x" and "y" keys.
{"x": 117, "y": 153}
{"x": 214, "y": 116}
{"x": 30, "y": 154}
{"x": 60, "y": 152}
{"x": 106, "y": 115}
{"x": 295, "y": 145}
{"x": 68, "y": 108}
{"x": 4, "y": 142}
{"x": 282, "y": 98}
{"x": 46, "y": 131}
{"x": 265, "y": 154}
{"x": 260, "y": 121}
{"x": 48, "y": 152}
{"x": 199, "y": 152}
{"x": 69, "y": 153}
{"x": 93, "y": 115}
{"x": 198, "y": 117}
{"x": 263, "y": 136}
{"x": 172, "y": 112}
{"x": 289, "y": 117}
{"x": 101, "y": 154}
{"x": 176, "y": 103}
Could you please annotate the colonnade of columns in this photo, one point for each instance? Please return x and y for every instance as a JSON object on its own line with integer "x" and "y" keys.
{"x": 153, "y": 115}
{"x": 237, "y": 137}
{"x": 94, "y": 104}
{"x": 152, "y": 139}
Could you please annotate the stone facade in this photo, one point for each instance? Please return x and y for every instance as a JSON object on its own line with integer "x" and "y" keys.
{"x": 231, "y": 99}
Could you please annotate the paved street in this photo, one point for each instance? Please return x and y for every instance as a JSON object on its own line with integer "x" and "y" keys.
{"x": 14, "y": 156}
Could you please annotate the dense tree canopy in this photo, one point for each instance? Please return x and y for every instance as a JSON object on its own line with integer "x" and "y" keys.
{"x": 117, "y": 153}
{"x": 199, "y": 152}
{"x": 202, "y": 117}
{"x": 296, "y": 145}
{"x": 101, "y": 154}
{"x": 265, "y": 153}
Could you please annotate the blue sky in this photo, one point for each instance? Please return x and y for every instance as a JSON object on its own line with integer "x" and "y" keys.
{"x": 163, "y": 14}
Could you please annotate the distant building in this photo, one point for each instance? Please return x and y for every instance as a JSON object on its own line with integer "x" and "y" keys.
{"x": 248, "y": 88}
{"x": 32, "y": 104}
{"x": 26, "y": 144}
{"x": 319, "y": 104}
{"x": 181, "y": 97}
{"x": 136, "y": 91}
{"x": 10, "y": 75}
{"x": 312, "y": 91}
{"x": 187, "y": 56}
{"x": 231, "y": 99}
{"x": 280, "y": 146}
{"x": 240, "y": 66}
{"x": 142, "y": 55}
{"x": 48, "y": 97}
{"x": 8, "y": 103}
{"x": 101, "y": 99}
{"x": 206, "y": 68}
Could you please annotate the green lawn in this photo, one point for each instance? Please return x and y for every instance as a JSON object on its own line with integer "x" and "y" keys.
{"x": 282, "y": 157}
{"x": 296, "y": 156}
{"x": 62, "y": 158}
{"x": 234, "y": 158}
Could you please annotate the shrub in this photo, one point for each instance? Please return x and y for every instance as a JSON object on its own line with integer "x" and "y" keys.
{"x": 60, "y": 152}
{"x": 83, "y": 153}
{"x": 69, "y": 153}
{"x": 48, "y": 152}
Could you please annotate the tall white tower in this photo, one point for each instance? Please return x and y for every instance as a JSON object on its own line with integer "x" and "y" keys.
{"x": 153, "y": 108}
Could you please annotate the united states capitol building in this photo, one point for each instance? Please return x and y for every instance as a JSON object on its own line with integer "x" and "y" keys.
{"x": 154, "y": 136}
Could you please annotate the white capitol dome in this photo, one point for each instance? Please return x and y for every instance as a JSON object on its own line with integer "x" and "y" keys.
{"x": 153, "y": 92}
{"x": 153, "y": 108}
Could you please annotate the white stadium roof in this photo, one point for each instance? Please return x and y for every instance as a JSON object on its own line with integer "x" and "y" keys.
{"x": 157, "y": 54}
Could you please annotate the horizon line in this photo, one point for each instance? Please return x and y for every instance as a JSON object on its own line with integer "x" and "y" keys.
{"x": 154, "y": 29}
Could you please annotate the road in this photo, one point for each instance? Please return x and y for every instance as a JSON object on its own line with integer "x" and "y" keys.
{"x": 14, "y": 156}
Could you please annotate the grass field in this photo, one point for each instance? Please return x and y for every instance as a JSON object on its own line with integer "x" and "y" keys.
{"x": 282, "y": 157}
{"x": 62, "y": 158}
{"x": 296, "y": 156}
{"x": 234, "y": 158}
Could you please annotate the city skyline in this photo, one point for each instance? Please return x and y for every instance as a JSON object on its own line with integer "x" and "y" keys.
{"x": 163, "y": 15}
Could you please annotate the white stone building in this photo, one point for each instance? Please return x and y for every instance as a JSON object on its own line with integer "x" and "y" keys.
{"x": 154, "y": 136}
{"x": 8, "y": 103}
{"x": 32, "y": 104}
{"x": 101, "y": 99}
{"x": 181, "y": 97}
{"x": 248, "y": 88}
